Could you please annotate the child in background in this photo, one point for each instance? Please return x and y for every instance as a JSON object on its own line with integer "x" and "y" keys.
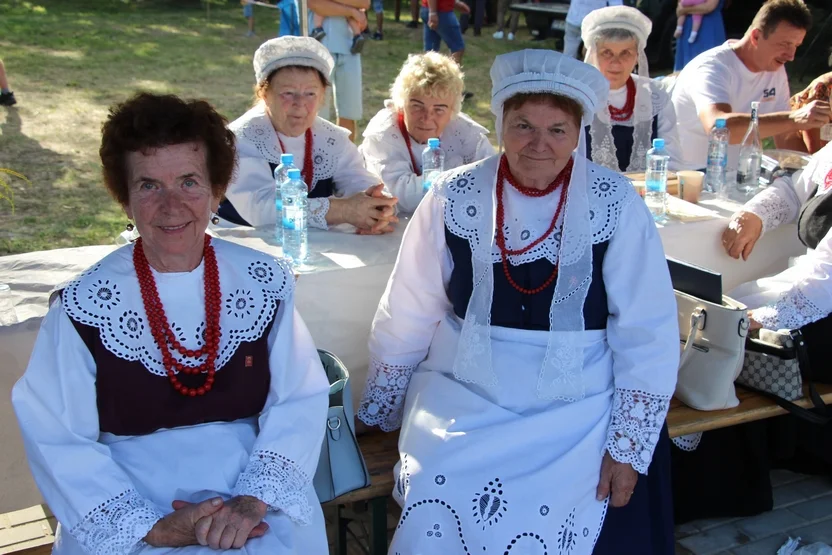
{"x": 697, "y": 20}
{"x": 248, "y": 13}
{"x": 358, "y": 38}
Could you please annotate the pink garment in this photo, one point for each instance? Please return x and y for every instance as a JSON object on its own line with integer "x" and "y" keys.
{"x": 697, "y": 17}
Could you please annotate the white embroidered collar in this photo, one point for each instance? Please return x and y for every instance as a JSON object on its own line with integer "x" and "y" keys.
{"x": 107, "y": 296}
{"x": 257, "y": 138}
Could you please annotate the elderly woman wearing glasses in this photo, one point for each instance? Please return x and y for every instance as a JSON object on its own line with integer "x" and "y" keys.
{"x": 638, "y": 109}
{"x": 527, "y": 342}
{"x": 292, "y": 75}
{"x": 426, "y": 98}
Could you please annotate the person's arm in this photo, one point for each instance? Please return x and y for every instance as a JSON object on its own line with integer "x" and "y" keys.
{"x": 413, "y": 305}
{"x": 344, "y": 8}
{"x": 811, "y": 116}
{"x": 55, "y": 403}
{"x": 704, "y": 8}
{"x": 392, "y": 163}
{"x": 643, "y": 334}
{"x": 792, "y": 141}
{"x": 291, "y": 426}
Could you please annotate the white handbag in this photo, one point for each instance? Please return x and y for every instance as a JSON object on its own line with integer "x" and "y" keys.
{"x": 713, "y": 348}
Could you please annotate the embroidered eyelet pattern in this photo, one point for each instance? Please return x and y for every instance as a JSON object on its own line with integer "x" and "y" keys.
{"x": 530, "y": 535}
{"x": 567, "y": 537}
{"x": 279, "y": 483}
{"x": 489, "y": 504}
{"x": 792, "y": 310}
{"x": 772, "y": 208}
{"x": 116, "y": 526}
{"x": 104, "y": 294}
{"x": 440, "y": 503}
{"x": 123, "y": 330}
{"x": 687, "y": 443}
{"x": 637, "y": 420}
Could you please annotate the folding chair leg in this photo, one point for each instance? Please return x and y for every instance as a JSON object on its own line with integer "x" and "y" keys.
{"x": 378, "y": 526}
{"x": 341, "y": 523}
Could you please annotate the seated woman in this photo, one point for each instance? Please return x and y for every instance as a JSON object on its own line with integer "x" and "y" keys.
{"x": 639, "y": 109}
{"x": 292, "y": 75}
{"x": 174, "y": 398}
{"x": 425, "y": 101}
{"x": 530, "y": 366}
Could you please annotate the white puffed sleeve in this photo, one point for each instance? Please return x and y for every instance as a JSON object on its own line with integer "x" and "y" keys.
{"x": 87, "y": 491}
{"x": 413, "y": 305}
{"x": 391, "y": 161}
{"x": 643, "y": 334}
{"x": 292, "y": 424}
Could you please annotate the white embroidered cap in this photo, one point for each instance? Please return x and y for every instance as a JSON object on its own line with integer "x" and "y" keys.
{"x": 616, "y": 17}
{"x": 291, "y": 51}
{"x": 545, "y": 71}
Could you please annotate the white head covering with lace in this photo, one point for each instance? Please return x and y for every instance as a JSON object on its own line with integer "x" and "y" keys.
{"x": 291, "y": 51}
{"x": 593, "y": 26}
{"x": 523, "y": 72}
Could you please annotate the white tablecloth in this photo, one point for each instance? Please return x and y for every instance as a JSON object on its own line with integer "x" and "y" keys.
{"x": 337, "y": 298}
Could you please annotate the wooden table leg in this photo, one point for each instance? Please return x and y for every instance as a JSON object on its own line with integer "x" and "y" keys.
{"x": 378, "y": 526}
{"x": 341, "y": 523}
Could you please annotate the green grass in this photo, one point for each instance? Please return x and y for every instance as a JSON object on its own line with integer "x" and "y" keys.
{"x": 69, "y": 60}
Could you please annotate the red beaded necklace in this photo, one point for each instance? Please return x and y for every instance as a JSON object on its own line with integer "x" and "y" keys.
{"x": 406, "y": 135}
{"x": 626, "y": 112}
{"x": 504, "y": 174}
{"x": 307, "y": 157}
{"x": 163, "y": 334}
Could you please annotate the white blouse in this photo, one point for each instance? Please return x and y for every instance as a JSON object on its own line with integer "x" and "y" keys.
{"x": 385, "y": 152}
{"x": 809, "y": 298}
{"x": 252, "y": 191}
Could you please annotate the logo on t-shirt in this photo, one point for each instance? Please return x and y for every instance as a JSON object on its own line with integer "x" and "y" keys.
{"x": 769, "y": 94}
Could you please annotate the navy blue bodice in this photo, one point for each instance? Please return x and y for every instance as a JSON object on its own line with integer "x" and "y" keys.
{"x": 512, "y": 309}
{"x": 622, "y": 136}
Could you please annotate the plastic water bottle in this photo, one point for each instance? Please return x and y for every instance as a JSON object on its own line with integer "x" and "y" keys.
{"x": 281, "y": 174}
{"x": 717, "y": 158}
{"x": 751, "y": 155}
{"x": 433, "y": 163}
{"x": 294, "y": 191}
{"x": 655, "y": 179}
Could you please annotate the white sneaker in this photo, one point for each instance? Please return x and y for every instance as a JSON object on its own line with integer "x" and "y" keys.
{"x": 498, "y": 35}
{"x": 511, "y": 36}
{"x": 534, "y": 32}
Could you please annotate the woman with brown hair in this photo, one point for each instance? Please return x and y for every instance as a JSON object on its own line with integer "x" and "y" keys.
{"x": 174, "y": 398}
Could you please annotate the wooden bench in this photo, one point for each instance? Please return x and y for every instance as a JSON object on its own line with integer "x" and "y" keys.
{"x": 31, "y": 531}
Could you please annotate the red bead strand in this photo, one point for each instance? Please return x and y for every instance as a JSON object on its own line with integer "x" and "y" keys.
{"x": 163, "y": 334}
{"x": 626, "y": 112}
{"x": 406, "y": 135}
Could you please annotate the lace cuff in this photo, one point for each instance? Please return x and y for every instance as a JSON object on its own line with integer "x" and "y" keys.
{"x": 687, "y": 443}
{"x": 277, "y": 482}
{"x": 773, "y": 209}
{"x": 792, "y": 310}
{"x": 637, "y": 420}
{"x": 382, "y": 404}
{"x": 318, "y": 208}
{"x": 117, "y": 526}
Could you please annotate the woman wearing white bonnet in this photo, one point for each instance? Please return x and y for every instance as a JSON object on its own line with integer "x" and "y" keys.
{"x": 527, "y": 342}
{"x": 638, "y": 109}
{"x": 292, "y": 74}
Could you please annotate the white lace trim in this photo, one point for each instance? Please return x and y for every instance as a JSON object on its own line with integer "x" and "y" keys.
{"x": 107, "y": 297}
{"x": 256, "y": 137}
{"x": 382, "y": 403}
{"x": 277, "y": 482}
{"x": 772, "y": 208}
{"x": 689, "y": 442}
{"x": 637, "y": 420}
{"x": 117, "y": 526}
{"x": 318, "y": 209}
{"x": 792, "y": 310}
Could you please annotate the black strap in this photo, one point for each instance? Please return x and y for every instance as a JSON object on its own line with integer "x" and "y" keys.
{"x": 227, "y": 212}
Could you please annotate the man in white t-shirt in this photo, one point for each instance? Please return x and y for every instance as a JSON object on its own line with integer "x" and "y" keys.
{"x": 724, "y": 81}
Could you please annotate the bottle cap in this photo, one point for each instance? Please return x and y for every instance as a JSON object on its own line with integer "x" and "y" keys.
{"x": 433, "y": 142}
{"x": 287, "y": 159}
{"x": 720, "y": 123}
{"x": 294, "y": 173}
{"x": 658, "y": 143}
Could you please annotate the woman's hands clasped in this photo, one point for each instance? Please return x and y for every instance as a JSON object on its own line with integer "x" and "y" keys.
{"x": 371, "y": 212}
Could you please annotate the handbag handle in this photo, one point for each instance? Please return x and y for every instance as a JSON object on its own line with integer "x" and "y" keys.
{"x": 697, "y": 323}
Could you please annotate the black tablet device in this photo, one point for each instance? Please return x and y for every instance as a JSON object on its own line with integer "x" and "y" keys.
{"x": 695, "y": 280}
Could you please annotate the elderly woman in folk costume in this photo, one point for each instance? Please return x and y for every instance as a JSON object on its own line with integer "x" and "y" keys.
{"x": 174, "y": 398}
{"x": 527, "y": 342}
{"x": 425, "y": 101}
{"x": 638, "y": 109}
{"x": 292, "y": 75}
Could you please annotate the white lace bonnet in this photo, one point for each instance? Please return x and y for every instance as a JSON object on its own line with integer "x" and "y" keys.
{"x": 291, "y": 51}
{"x": 541, "y": 71}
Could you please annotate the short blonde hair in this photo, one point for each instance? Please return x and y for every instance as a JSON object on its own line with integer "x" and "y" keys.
{"x": 431, "y": 74}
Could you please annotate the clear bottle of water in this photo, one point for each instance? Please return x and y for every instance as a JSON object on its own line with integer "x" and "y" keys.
{"x": 281, "y": 174}
{"x": 433, "y": 163}
{"x": 294, "y": 192}
{"x": 751, "y": 155}
{"x": 655, "y": 179}
{"x": 717, "y": 158}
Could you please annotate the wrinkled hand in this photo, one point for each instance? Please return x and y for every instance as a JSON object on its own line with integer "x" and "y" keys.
{"x": 372, "y": 212}
{"x": 618, "y": 480}
{"x": 178, "y": 528}
{"x": 742, "y": 234}
{"x": 238, "y": 520}
{"x": 752, "y": 323}
{"x": 433, "y": 20}
{"x": 360, "y": 17}
{"x": 815, "y": 114}
{"x": 462, "y": 7}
